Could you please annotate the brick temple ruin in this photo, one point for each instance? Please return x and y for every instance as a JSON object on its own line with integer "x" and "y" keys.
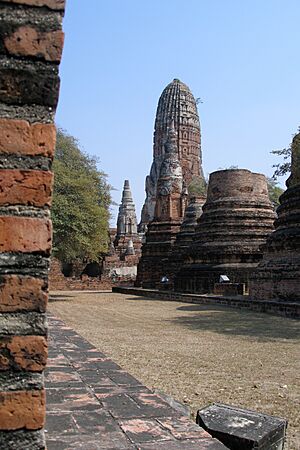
{"x": 32, "y": 42}
{"x": 119, "y": 265}
{"x": 192, "y": 252}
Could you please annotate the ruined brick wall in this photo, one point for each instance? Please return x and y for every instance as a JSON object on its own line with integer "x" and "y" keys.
{"x": 58, "y": 282}
{"x": 31, "y": 43}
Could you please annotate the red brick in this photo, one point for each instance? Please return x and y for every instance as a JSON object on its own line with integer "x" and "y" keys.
{"x": 18, "y": 293}
{"x": 25, "y": 234}
{"x": 27, "y": 41}
{"x": 27, "y": 83}
{"x": 22, "y": 409}
{"x": 23, "y": 353}
{"x": 52, "y": 4}
{"x": 19, "y": 137}
{"x": 26, "y": 187}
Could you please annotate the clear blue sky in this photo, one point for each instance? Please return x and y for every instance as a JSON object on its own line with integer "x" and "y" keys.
{"x": 240, "y": 57}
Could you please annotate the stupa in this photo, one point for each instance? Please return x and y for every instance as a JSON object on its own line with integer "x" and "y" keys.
{"x": 127, "y": 224}
{"x": 277, "y": 277}
{"x": 237, "y": 219}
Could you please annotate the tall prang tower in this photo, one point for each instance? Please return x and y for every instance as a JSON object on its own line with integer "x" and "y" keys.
{"x": 169, "y": 210}
{"x": 176, "y": 105}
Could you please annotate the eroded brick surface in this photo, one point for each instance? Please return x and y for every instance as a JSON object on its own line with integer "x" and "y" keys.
{"x": 25, "y": 234}
{"x": 19, "y": 137}
{"x": 22, "y": 409}
{"x": 92, "y": 403}
{"x": 26, "y": 187}
{"x": 23, "y": 353}
{"x": 19, "y": 293}
{"x": 52, "y": 4}
{"x": 27, "y": 41}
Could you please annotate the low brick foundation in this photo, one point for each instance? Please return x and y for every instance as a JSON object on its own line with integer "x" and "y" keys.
{"x": 89, "y": 284}
{"x": 285, "y": 309}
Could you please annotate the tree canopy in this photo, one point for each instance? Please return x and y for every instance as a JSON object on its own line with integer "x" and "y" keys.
{"x": 81, "y": 201}
{"x": 197, "y": 186}
{"x": 274, "y": 191}
{"x": 284, "y": 167}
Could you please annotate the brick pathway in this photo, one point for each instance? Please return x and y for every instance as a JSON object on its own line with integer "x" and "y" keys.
{"x": 93, "y": 404}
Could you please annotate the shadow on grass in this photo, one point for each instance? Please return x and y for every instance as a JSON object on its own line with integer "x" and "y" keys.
{"x": 92, "y": 292}
{"x": 66, "y": 297}
{"x": 238, "y": 322}
{"x": 149, "y": 299}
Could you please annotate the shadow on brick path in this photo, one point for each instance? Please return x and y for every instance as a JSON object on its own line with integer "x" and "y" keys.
{"x": 93, "y": 404}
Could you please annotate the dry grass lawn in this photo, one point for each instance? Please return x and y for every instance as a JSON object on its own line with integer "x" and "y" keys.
{"x": 198, "y": 354}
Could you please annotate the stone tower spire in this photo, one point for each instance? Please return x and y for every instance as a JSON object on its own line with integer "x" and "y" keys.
{"x": 169, "y": 198}
{"x": 169, "y": 210}
{"x": 178, "y": 106}
{"x": 126, "y": 223}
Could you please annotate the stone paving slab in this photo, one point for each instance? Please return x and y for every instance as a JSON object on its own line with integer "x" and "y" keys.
{"x": 92, "y": 403}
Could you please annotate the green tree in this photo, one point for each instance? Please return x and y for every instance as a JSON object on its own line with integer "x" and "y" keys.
{"x": 197, "y": 186}
{"x": 275, "y": 192}
{"x": 284, "y": 167}
{"x": 81, "y": 201}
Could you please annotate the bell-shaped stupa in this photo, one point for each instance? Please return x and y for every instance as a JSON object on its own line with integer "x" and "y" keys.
{"x": 278, "y": 275}
{"x": 237, "y": 219}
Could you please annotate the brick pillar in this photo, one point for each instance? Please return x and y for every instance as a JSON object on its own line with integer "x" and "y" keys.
{"x": 31, "y": 43}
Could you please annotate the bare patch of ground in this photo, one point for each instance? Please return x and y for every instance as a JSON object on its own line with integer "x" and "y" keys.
{"x": 197, "y": 354}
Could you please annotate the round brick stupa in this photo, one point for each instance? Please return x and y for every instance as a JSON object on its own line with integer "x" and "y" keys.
{"x": 237, "y": 219}
{"x": 278, "y": 275}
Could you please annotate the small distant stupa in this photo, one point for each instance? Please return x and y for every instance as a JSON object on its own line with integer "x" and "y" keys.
{"x": 127, "y": 224}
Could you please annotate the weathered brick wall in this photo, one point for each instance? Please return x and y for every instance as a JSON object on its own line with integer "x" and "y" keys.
{"x": 31, "y": 43}
{"x": 58, "y": 282}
